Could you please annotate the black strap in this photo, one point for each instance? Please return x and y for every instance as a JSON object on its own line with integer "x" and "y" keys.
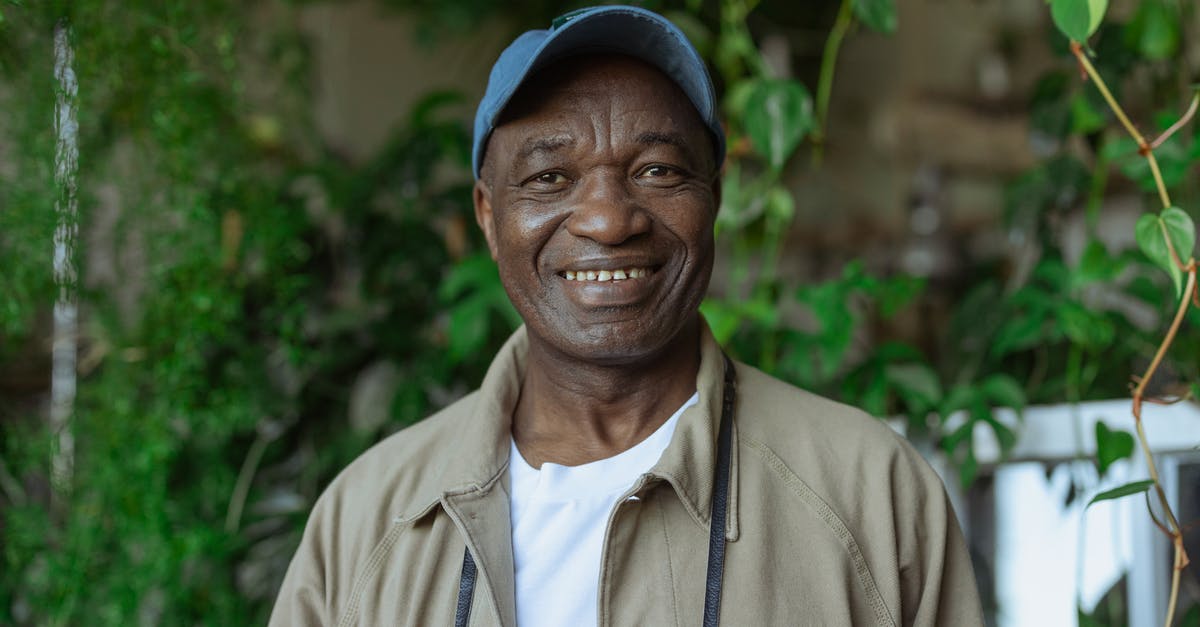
{"x": 466, "y": 590}
{"x": 716, "y": 535}
{"x": 720, "y": 504}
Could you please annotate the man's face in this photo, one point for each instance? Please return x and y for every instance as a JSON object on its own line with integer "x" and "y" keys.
{"x": 601, "y": 169}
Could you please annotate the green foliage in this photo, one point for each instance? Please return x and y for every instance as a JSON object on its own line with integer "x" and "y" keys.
{"x": 1175, "y": 158}
{"x": 880, "y": 15}
{"x": 1078, "y": 19}
{"x": 778, "y": 115}
{"x": 1191, "y": 618}
{"x": 977, "y": 401}
{"x": 476, "y": 302}
{"x": 1167, "y": 240}
{"x": 1154, "y": 30}
{"x": 1111, "y": 445}
{"x": 1129, "y": 489}
{"x": 272, "y": 278}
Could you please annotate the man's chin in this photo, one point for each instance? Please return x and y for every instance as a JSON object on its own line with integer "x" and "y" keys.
{"x": 616, "y": 344}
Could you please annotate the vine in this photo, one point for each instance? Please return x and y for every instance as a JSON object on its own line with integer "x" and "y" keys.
{"x": 1168, "y": 240}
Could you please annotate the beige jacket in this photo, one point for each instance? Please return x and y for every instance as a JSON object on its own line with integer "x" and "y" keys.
{"x": 833, "y": 520}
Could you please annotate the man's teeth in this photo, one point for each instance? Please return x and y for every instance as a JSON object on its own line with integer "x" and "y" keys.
{"x": 607, "y": 275}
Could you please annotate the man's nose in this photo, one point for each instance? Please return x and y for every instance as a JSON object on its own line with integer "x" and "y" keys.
{"x": 606, "y": 211}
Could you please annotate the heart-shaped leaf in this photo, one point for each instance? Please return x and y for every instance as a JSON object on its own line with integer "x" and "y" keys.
{"x": 1111, "y": 445}
{"x": 1152, "y": 233}
{"x": 1181, "y": 230}
{"x": 1078, "y": 19}
{"x": 779, "y": 114}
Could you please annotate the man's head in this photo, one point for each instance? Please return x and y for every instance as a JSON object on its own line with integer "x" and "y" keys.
{"x": 597, "y": 197}
{"x": 615, "y": 29}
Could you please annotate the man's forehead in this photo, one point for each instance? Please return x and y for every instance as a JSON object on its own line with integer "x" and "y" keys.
{"x": 607, "y": 75}
{"x": 584, "y": 93}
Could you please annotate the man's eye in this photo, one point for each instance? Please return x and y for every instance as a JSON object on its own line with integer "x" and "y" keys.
{"x": 549, "y": 178}
{"x": 654, "y": 171}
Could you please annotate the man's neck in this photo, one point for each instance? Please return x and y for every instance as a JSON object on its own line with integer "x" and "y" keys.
{"x": 572, "y": 412}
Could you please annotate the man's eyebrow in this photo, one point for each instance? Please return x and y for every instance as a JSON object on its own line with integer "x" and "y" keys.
{"x": 543, "y": 144}
{"x": 671, "y": 139}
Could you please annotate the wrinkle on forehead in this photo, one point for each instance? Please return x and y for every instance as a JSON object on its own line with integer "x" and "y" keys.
{"x": 620, "y": 82}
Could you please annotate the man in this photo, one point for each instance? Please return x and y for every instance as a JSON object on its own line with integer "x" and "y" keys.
{"x": 615, "y": 468}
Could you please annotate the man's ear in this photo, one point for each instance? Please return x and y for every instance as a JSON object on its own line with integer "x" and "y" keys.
{"x": 483, "y": 214}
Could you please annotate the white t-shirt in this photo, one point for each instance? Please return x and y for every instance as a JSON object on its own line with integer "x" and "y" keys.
{"x": 559, "y": 514}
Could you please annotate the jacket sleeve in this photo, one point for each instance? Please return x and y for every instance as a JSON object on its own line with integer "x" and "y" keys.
{"x": 304, "y": 596}
{"x": 936, "y": 578}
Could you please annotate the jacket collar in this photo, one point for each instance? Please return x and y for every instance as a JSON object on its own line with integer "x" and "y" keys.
{"x": 483, "y": 446}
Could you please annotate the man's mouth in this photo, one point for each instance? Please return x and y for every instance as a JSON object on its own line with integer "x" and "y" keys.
{"x": 619, "y": 274}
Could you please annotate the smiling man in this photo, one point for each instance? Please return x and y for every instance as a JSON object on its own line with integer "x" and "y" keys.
{"x": 615, "y": 468}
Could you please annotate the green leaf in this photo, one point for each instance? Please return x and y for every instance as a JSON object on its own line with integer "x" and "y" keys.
{"x": 1154, "y": 31}
{"x": 1018, "y": 333}
{"x": 780, "y": 205}
{"x": 779, "y": 113}
{"x": 468, "y": 329}
{"x": 960, "y": 397}
{"x": 726, "y": 317}
{"x": 1137, "y": 487}
{"x": 880, "y": 15}
{"x": 473, "y": 272}
{"x": 917, "y": 381}
{"x": 897, "y": 292}
{"x": 874, "y": 397}
{"x": 722, "y": 319}
{"x": 1111, "y": 445}
{"x": 1085, "y": 118}
{"x": 737, "y": 98}
{"x": 1174, "y": 161}
{"x": 969, "y": 468}
{"x": 1152, "y": 232}
{"x": 1084, "y": 326}
{"x": 1002, "y": 390}
{"x": 1004, "y": 435}
{"x": 1095, "y": 265}
{"x": 1181, "y": 230}
{"x": 1078, "y": 19}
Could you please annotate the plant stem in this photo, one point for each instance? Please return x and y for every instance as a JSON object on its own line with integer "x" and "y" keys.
{"x": 241, "y": 490}
{"x": 1158, "y": 179}
{"x": 833, "y": 44}
{"x": 1173, "y": 523}
{"x": 1166, "y": 343}
{"x": 1176, "y": 571}
{"x": 1144, "y": 148}
{"x": 1152, "y": 468}
{"x": 1147, "y": 151}
{"x": 1178, "y": 123}
{"x": 1077, "y": 50}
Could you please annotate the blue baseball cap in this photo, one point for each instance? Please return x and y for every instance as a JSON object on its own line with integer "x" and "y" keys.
{"x": 618, "y": 29}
